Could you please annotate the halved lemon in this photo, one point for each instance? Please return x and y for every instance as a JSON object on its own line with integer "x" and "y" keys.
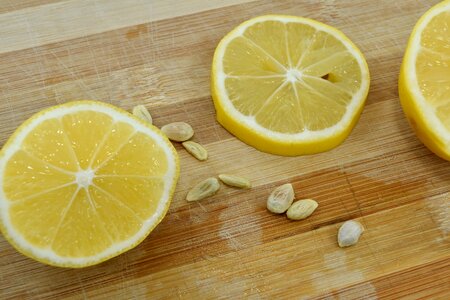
{"x": 288, "y": 85}
{"x": 83, "y": 182}
{"x": 424, "y": 83}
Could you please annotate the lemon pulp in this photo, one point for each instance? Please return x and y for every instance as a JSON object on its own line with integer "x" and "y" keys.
{"x": 424, "y": 82}
{"x": 83, "y": 182}
{"x": 288, "y": 85}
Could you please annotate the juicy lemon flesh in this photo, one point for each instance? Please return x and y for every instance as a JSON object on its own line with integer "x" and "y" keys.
{"x": 82, "y": 183}
{"x": 424, "y": 84}
{"x": 433, "y": 66}
{"x": 290, "y": 77}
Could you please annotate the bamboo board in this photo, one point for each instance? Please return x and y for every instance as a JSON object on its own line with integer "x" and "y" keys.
{"x": 159, "y": 53}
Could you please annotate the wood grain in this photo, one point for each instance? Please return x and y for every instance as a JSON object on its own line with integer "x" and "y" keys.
{"x": 229, "y": 246}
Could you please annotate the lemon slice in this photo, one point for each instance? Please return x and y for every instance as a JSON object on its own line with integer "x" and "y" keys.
{"x": 424, "y": 83}
{"x": 83, "y": 182}
{"x": 288, "y": 85}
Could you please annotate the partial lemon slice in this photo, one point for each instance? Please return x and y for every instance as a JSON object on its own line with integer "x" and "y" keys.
{"x": 83, "y": 182}
{"x": 424, "y": 83}
{"x": 288, "y": 85}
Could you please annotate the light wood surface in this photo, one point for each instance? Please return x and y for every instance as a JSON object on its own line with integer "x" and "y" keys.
{"x": 159, "y": 53}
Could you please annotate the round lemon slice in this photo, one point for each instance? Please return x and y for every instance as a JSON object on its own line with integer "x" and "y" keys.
{"x": 83, "y": 182}
{"x": 288, "y": 85}
{"x": 424, "y": 83}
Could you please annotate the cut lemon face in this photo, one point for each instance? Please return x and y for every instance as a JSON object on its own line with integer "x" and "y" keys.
{"x": 424, "y": 84}
{"x": 83, "y": 182}
{"x": 288, "y": 85}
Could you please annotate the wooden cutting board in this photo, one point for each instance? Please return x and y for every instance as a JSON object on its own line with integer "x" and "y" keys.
{"x": 159, "y": 53}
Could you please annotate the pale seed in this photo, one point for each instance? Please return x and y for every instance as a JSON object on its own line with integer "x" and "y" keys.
{"x": 302, "y": 209}
{"x": 203, "y": 189}
{"x": 142, "y": 113}
{"x": 281, "y": 199}
{"x": 178, "y": 131}
{"x": 349, "y": 233}
{"x": 196, "y": 150}
{"x": 235, "y": 181}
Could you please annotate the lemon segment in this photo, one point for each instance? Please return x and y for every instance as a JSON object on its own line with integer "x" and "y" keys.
{"x": 424, "y": 82}
{"x": 83, "y": 182}
{"x": 288, "y": 85}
